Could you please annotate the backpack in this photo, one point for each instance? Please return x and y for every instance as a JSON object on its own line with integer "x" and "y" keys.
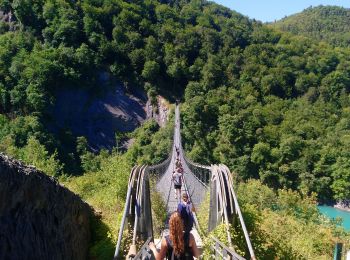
{"x": 185, "y": 255}
{"x": 186, "y": 215}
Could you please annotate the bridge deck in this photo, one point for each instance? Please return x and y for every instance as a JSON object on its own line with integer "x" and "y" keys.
{"x": 165, "y": 186}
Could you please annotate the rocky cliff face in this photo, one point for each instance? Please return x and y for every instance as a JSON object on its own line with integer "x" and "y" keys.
{"x": 40, "y": 219}
{"x": 98, "y": 117}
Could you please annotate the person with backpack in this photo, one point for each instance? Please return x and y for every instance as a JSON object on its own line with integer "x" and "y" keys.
{"x": 180, "y": 170}
{"x": 185, "y": 209}
{"x": 177, "y": 245}
{"x": 177, "y": 179}
{"x": 178, "y": 163}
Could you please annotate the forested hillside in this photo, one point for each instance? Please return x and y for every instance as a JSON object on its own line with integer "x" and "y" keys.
{"x": 274, "y": 107}
{"x": 269, "y": 105}
{"x": 324, "y": 23}
{"x": 48, "y": 46}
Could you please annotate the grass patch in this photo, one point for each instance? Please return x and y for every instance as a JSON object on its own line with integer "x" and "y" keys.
{"x": 159, "y": 209}
{"x": 105, "y": 191}
{"x": 202, "y": 213}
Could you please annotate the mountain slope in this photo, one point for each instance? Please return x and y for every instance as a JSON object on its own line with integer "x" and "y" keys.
{"x": 52, "y": 46}
{"x": 197, "y": 51}
{"x": 325, "y": 23}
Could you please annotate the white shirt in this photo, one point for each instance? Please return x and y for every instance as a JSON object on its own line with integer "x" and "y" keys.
{"x": 177, "y": 178}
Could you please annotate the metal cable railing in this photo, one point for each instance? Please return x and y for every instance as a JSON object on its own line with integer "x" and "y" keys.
{"x": 224, "y": 200}
{"x": 159, "y": 169}
{"x": 221, "y": 251}
{"x": 127, "y": 207}
{"x": 137, "y": 207}
{"x": 143, "y": 226}
{"x": 201, "y": 172}
{"x": 144, "y": 252}
{"x": 139, "y": 192}
{"x": 238, "y": 211}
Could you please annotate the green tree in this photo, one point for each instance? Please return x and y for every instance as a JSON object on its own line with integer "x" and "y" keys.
{"x": 150, "y": 70}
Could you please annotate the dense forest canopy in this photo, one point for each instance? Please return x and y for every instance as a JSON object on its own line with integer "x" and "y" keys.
{"x": 325, "y": 23}
{"x": 270, "y": 105}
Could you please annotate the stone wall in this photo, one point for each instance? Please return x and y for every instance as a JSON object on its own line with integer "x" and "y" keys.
{"x": 40, "y": 219}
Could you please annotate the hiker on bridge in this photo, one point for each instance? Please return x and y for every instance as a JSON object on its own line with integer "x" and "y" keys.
{"x": 177, "y": 245}
{"x": 178, "y": 166}
{"x": 177, "y": 179}
{"x": 185, "y": 209}
{"x": 177, "y": 152}
{"x": 178, "y": 163}
{"x": 180, "y": 170}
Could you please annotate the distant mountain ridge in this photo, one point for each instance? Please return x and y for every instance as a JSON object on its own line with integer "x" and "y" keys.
{"x": 326, "y": 23}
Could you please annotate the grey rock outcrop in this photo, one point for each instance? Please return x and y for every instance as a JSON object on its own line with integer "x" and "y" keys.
{"x": 97, "y": 117}
{"x": 343, "y": 205}
{"x": 40, "y": 219}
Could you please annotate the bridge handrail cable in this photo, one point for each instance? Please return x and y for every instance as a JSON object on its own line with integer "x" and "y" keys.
{"x": 140, "y": 174}
{"x": 132, "y": 176}
{"x": 202, "y": 174}
{"x": 226, "y": 205}
{"x": 223, "y": 251}
{"x": 238, "y": 211}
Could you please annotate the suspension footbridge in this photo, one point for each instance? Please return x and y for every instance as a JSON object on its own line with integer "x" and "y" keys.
{"x": 198, "y": 181}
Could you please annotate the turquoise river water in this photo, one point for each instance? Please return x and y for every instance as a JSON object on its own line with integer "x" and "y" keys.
{"x": 331, "y": 212}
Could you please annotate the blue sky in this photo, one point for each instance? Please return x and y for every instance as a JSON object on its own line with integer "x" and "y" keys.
{"x": 270, "y": 10}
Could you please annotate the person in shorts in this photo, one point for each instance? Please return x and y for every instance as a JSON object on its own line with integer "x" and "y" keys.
{"x": 177, "y": 179}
